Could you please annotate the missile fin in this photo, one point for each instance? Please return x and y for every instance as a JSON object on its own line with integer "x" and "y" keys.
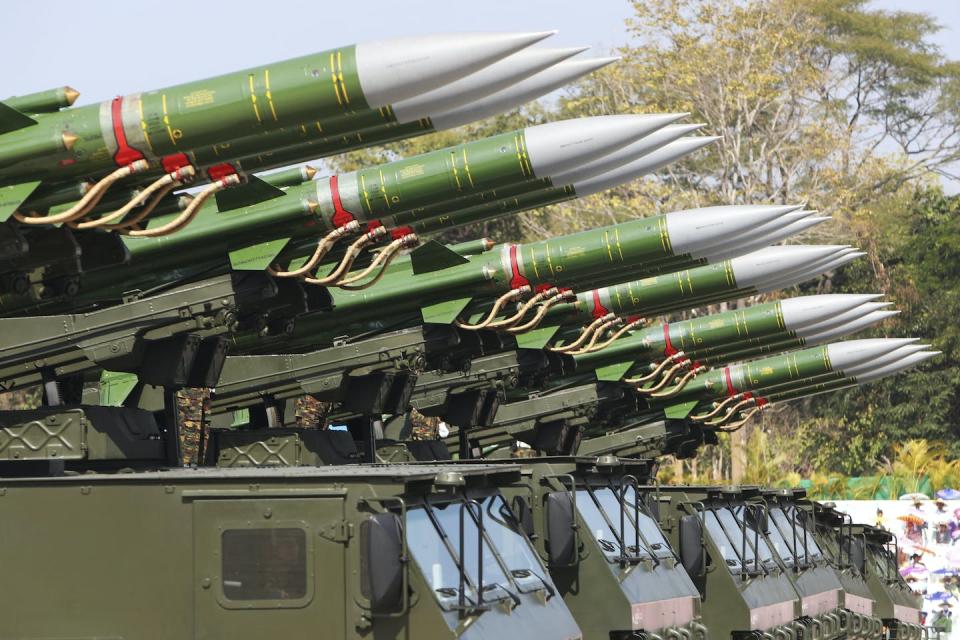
{"x": 115, "y": 387}
{"x": 444, "y": 312}
{"x": 13, "y": 196}
{"x": 613, "y": 372}
{"x": 257, "y": 257}
{"x": 681, "y": 410}
{"x": 12, "y": 120}
{"x": 433, "y": 256}
{"x": 253, "y": 192}
{"x": 537, "y": 338}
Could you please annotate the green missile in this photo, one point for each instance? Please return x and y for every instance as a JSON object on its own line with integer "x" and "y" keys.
{"x": 790, "y": 367}
{"x": 782, "y": 319}
{"x": 48, "y": 101}
{"x": 684, "y": 289}
{"x": 520, "y": 93}
{"x": 159, "y": 125}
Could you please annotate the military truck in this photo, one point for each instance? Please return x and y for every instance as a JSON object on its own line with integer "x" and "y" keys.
{"x": 307, "y": 552}
{"x": 897, "y": 604}
{"x": 748, "y": 591}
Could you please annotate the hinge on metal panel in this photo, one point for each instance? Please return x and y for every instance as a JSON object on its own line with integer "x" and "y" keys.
{"x": 339, "y": 531}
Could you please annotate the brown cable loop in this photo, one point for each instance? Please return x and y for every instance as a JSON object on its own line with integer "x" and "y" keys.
{"x": 188, "y": 214}
{"x": 522, "y": 311}
{"x": 737, "y": 425}
{"x": 498, "y": 304}
{"x": 353, "y": 251}
{"x": 684, "y": 381}
{"x": 616, "y": 336}
{"x": 384, "y": 258}
{"x": 323, "y": 248}
{"x": 597, "y": 334}
{"x": 717, "y": 408}
{"x": 144, "y": 212}
{"x": 541, "y": 313}
{"x": 90, "y": 198}
{"x": 665, "y": 380}
{"x": 729, "y": 414}
{"x": 656, "y": 371}
{"x": 164, "y": 185}
{"x": 585, "y": 334}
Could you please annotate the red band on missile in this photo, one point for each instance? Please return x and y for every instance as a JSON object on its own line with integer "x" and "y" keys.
{"x": 668, "y": 349}
{"x": 221, "y": 171}
{"x": 173, "y": 162}
{"x": 598, "y": 309}
{"x": 125, "y": 154}
{"x": 731, "y": 391}
{"x": 761, "y": 402}
{"x": 340, "y": 215}
{"x": 517, "y": 280}
{"x": 400, "y": 232}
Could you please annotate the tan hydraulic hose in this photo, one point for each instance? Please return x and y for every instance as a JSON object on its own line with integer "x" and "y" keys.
{"x": 498, "y": 304}
{"x": 89, "y": 200}
{"x": 535, "y": 321}
{"x": 163, "y": 184}
{"x": 585, "y": 334}
{"x": 656, "y": 370}
{"x": 730, "y": 428}
{"x": 353, "y": 251}
{"x": 616, "y": 335}
{"x": 665, "y": 380}
{"x": 684, "y": 381}
{"x": 597, "y": 334}
{"x": 732, "y": 411}
{"x": 718, "y": 407}
{"x": 189, "y": 213}
{"x": 323, "y": 248}
{"x": 522, "y": 311}
{"x": 383, "y": 260}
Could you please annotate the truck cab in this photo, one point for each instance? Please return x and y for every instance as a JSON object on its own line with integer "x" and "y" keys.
{"x": 347, "y": 552}
{"x": 898, "y": 605}
{"x": 745, "y": 592}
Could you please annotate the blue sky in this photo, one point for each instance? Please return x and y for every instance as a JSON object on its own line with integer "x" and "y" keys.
{"x": 112, "y": 48}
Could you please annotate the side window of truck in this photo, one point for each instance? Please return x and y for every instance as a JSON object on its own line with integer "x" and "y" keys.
{"x": 264, "y": 564}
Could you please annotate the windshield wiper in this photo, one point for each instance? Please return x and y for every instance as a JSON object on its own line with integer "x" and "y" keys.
{"x": 490, "y": 586}
{"x": 526, "y": 573}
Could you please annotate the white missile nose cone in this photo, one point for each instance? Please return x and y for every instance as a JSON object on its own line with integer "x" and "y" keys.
{"x": 640, "y": 167}
{"x": 853, "y": 352}
{"x": 498, "y": 76}
{"x": 626, "y": 154}
{"x": 771, "y": 263}
{"x": 831, "y": 331}
{"x": 896, "y": 367}
{"x": 524, "y": 91}
{"x": 882, "y": 361}
{"x": 804, "y": 311}
{"x": 401, "y": 68}
{"x": 702, "y": 230}
{"x": 556, "y": 147}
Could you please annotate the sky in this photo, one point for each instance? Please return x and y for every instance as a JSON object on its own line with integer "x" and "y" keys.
{"x": 113, "y": 48}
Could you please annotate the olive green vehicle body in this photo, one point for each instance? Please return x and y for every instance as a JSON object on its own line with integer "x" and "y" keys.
{"x": 252, "y": 553}
{"x": 833, "y": 537}
{"x": 648, "y": 595}
{"x": 742, "y": 598}
{"x": 897, "y": 604}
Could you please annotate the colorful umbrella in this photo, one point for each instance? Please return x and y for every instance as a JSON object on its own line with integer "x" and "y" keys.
{"x": 913, "y": 571}
{"x": 948, "y": 494}
{"x": 912, "y": 519}
{"x": 914, "y": 496}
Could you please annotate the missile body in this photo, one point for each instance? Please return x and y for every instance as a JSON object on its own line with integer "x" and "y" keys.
{"x": 805, "y": 364}
{"x": 718, "y": 332}
{"x": 160, "y": 124}
{"x": 684, "y": 289}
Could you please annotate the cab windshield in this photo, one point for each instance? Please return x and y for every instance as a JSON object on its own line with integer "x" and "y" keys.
{"x": 601, "y": 508}
{"x": 790, "y": 525}
{"x": 726, "y": 532}
{"x": 508, "y": 562}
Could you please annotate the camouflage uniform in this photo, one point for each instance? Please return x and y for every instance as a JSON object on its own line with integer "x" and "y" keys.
{"x": 423, "y": 427}
{"x": 312, "y": 413}
{"x": 193, "y": 406}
